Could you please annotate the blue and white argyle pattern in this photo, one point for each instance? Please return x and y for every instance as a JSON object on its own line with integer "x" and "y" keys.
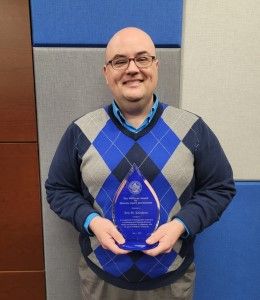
{"x": 164, "y": 155}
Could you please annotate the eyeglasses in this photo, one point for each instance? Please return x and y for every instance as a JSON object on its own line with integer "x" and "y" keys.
{"x": 120, "y": 63}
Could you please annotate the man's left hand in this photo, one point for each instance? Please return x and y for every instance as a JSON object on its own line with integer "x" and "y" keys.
{"x": 167, "y": 235}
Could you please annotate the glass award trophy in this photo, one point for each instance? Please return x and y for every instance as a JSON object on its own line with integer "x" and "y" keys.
{"x": 136, "y": 210}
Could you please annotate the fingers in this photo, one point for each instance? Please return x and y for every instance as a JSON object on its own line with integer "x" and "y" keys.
{"x": 117, "y": 236}
{"x": 163, "y": 247}
{"x": 107, "y": 234}
{"x": 155, "y": 251}
{"x": 164, "y": 243}
{"x": 110, "y": 244}
{"x": 155, "y": 237}
{"x": 166, "y": 235}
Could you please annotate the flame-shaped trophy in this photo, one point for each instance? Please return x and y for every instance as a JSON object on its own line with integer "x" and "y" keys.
{"x": 136, "y": 210}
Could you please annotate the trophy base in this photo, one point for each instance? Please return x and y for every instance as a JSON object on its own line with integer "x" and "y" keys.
{"x": 138, "y": 246}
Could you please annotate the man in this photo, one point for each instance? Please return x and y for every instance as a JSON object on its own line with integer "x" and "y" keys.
{"x": 174, "y": 150}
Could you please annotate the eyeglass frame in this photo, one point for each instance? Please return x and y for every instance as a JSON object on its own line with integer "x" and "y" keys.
{"x": 132, "y": 59}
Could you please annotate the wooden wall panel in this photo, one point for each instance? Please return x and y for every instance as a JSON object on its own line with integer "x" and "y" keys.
{"x": 22, "y": 285}
{"x": 21, "y": 241}
{"x": 17, "y": 101}
{"x": 21, "y": 226}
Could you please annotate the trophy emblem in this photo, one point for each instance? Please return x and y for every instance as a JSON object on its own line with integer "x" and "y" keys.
{"x": 136, "y": 210}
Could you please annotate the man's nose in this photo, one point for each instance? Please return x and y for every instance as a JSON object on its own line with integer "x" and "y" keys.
{"x": 132, "y": 67}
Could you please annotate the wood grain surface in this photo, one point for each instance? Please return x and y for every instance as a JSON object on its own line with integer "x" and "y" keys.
{"x": 22, "y": 285}
{"x": 17, "y": 100}
{"x": 21, "y": 223}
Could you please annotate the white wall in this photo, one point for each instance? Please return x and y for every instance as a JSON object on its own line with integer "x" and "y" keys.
{"x": 220, "y": 76}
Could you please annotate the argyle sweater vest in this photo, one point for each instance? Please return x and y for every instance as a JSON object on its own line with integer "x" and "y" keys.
{"x": 94, "y": 156}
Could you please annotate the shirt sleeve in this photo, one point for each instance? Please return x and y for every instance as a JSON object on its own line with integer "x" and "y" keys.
{"x": 64, "y": 186}
{"x": 214, "y": 184}
{"x": 187, "y": 232}
{"x": 88, "y": 220}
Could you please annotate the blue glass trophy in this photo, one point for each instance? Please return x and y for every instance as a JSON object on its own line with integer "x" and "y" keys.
{"x": 136, "y": 210}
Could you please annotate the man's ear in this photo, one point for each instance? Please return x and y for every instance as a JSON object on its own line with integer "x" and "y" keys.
{"x": 157, "y": 63}
{"x": 105, "y": 73}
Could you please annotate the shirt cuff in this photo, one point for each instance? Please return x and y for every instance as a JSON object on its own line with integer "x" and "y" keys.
{"x": 88, "y": 220}
{"x": 187, "y": 232}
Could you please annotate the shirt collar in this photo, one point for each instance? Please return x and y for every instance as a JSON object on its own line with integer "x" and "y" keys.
{"x": 118, "y": 114}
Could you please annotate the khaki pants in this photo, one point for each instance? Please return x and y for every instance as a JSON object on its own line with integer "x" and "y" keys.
{"x": 94, "y": 288}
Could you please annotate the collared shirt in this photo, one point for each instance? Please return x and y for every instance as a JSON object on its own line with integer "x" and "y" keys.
{"x": 120, "y": 117}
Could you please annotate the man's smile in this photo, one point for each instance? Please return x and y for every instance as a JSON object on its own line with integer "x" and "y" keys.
{"x": 132, "y": 82}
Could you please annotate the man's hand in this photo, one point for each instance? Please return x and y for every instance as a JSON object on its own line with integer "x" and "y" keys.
{"x": 167, "y": 235}
{"x": 107, "y": 234}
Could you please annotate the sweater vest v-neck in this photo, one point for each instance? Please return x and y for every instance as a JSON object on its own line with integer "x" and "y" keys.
{"x": 160, "y": 153}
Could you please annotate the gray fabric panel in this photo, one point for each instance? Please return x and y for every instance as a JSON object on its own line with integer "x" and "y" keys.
{"x": 220, "y": 77}
{"x": 69, "y": 83}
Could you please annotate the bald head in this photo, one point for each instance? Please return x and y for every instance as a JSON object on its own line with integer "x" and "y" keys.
{"x": 127, "y": 38}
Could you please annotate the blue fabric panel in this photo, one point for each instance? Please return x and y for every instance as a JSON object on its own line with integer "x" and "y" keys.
{"x": 93, "y": 22}
{"x": 227, "y": 253}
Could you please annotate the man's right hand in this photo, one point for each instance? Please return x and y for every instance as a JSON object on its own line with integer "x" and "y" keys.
{"x": 107, "y": 234}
